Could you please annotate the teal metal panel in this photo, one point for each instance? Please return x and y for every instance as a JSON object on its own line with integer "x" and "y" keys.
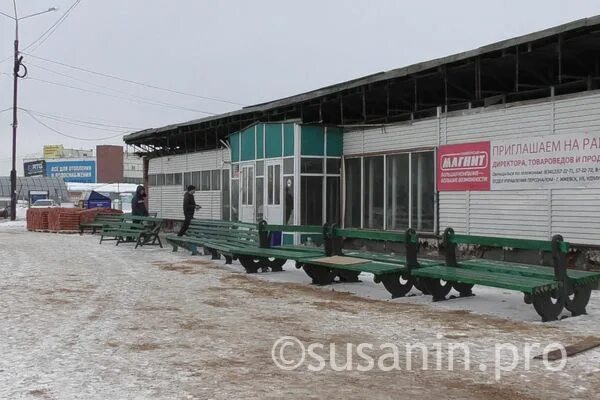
{"x": 273, "y": 140}
{"x": 234, "y": 143}
{"x": 248, "y": 151}
{"x": 288, "y": 139}
{"x": 335, "y": 142}
{"x": 313, "y": 141}
{"x": 260, "y": 138}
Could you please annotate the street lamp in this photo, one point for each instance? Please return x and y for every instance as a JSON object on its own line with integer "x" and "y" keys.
{"x": 18, "y": 62}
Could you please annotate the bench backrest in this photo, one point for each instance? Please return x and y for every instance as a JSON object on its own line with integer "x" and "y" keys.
{"x": 334, "y": 240}
{"x": 139, "y": 218}
{"x": 492, "y": 241}
{"x": 239, "y": 233}
{"x": 150, "y": 224}
{"x": 108, "y": 217}
{"x": 369, "y": 234}
{"x": 557, "y": 246}
{"x": 266, "y": 231}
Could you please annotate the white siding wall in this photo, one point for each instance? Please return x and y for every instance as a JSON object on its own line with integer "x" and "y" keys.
{"x": 167, "y": 201}
{"x": 537, "y": 214}
{"x": 574, "y": 213}
{"x": 422, "y": 133}
{"x": 454, "y": 212}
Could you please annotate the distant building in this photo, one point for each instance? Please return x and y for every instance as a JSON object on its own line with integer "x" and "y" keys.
{"x": 106, "y": 164}
{"x": 133, "y": 169}
{"x": 55, "y": 187}
{"x": 110, "y": 164}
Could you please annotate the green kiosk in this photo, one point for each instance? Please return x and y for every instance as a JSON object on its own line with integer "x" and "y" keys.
{"x": 286, "y": 173}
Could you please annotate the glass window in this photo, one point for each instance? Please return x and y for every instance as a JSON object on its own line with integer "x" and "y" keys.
{"x": 235, "y": 171}
{"x": 247, "y": 186}
{"x": 215, "y": 181}
{"x": 288, "y": 200}
{"x": 160, "y": 179}
{"x": 311, "y": 165}
{"x": 277, "y": 184}
{"x": 260, "y": 168}
{"x": 373, "y": 192}
{"x": 274, "y": 184}
{"x": 187, "y": 179}
{"x": 244, "y": 178}
{"x": 225, "y": 195}
{"x": 169, "y": 179}
{"x": 333, "y": 200}
{"x": 196, "y": 181}
{"x": 270, "y": 185}
{"x": 259, "y": 198}
{"x": 152, "y": 180}
{"x": 423, "y": 191}
{"x": 235, "y": 199}
{"x": 288, "y": 166}
{"x": 353, "y": 192}
{"x": 397, "y": 191}
{"x": 177, "y": 178}
{"x": 311, "y": 201}
{"x": 333, "y": 166}
{"x": 205, "y": 184}
{"x": 250, "y": 185}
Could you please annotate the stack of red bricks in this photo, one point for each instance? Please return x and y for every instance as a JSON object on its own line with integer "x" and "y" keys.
{"x": 37, "y": 219}
{"x": 63, "y": 219}
{"x": 88, "y": 216}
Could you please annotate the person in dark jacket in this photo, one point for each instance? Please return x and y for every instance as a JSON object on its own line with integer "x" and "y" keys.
{"x": 189, "y": 207}
{"x": 138, "y": 202}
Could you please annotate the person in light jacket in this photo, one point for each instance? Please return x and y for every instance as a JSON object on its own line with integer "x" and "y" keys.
{"x": 189, "y": 207}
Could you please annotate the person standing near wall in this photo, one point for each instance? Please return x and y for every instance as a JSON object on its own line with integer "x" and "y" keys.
{"x": 189, "y": 207}
{"x": 138, "y": 202}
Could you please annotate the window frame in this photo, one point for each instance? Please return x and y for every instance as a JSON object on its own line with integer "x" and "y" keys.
{"x": 385, "y": 155}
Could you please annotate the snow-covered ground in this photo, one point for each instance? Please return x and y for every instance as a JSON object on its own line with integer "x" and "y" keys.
{"x": 83, "y": 320}
{"x": 8, "y": 225}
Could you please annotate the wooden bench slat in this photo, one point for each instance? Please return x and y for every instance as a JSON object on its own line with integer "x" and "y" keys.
{"x": 527, "y": 270}
{"x": 490, "y": 241}
{"x": 528, "y": 285}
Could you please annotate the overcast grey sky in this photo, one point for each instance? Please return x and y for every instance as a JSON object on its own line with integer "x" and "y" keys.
{"x": 241, "y": 51}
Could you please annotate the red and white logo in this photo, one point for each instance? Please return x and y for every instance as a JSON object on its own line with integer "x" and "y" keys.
{"x": 464, "y": 166}
{"x": 465, "y": 160}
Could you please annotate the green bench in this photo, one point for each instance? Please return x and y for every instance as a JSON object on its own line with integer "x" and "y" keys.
{"x": 143, "y": 231}
{"x": 550, "y": 290}
{"x": 392, "y": 270}
{"x": 247, "y": 243}
{"x": 99, "y": 221}
{"x": 217, "y": 238}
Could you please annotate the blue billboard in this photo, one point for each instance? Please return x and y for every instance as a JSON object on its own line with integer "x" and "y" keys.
{"x": 72, "y": 171}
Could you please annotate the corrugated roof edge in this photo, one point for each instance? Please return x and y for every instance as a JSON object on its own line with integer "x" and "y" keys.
{"x": 380, "y": 76}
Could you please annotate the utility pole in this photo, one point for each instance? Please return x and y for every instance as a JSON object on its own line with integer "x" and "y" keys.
{"x": 13, "y": 173}
{"x": 18, "y": 63}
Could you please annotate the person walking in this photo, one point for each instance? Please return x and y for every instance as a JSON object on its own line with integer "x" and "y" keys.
{"x": 189, "y": 207}
{"x": 138, "y": 202}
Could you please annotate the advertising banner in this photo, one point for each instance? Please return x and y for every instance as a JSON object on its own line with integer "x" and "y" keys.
{"x": 73, "y": 171}
{"x": 34, "y": 168}
{"x": 53, "y": 151}
{"x": 464, "y": 166}
{"x": 556, "y": 161}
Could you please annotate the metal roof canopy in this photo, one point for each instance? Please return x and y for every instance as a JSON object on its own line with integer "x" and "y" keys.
{"x": 560, "y": 60}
